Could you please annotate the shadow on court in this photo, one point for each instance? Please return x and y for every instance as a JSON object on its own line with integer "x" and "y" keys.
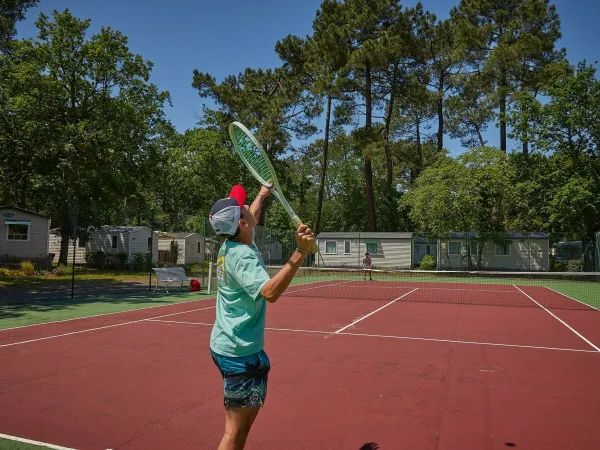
{"x": 20, "y": 300}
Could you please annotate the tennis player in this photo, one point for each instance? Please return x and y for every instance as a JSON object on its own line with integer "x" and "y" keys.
{"x": 367, "y": 266}
{"x": 243, "y": 286}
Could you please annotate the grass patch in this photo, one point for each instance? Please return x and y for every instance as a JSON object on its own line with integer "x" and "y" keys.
{"x": 18, "y": 279}
{"x": 6, "y": 444}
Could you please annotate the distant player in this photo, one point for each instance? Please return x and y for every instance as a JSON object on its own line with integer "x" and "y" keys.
{"x": 243, "y": 285}
{"x": 367, "y": 266}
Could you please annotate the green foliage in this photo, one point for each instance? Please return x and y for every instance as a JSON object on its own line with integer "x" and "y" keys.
{"x": 94, "y": 131}
{"x": 568, "y": 265}
{"x": 11, "y": 12}
{"x": 27, "y": 268}
{"x": 467, "y": 193}
{"x": 428, "y": 263}
{"x": 140, "y": 262}
{"x": 80, "y": 118}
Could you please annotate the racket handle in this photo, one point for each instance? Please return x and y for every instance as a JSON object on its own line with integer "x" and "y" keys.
{"x": 296, "y": 220}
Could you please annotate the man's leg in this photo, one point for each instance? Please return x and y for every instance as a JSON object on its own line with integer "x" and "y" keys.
{"x": 238, "y": 422}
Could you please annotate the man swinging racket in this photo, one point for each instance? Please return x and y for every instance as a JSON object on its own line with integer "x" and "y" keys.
{"x": 243, "y": 288}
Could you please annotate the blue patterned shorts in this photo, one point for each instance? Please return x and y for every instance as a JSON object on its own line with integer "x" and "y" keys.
{"x": 244, "y": 379}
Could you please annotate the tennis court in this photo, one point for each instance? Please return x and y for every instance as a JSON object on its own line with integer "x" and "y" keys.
{"x": 406, "y": 361}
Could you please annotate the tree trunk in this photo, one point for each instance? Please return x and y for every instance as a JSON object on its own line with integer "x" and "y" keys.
{"x": 525, "y": 142}
{"x": 64, "y": 248}
{"x": 503, "y": 113}
{"x": 388, "y": 124}
{"x": 323, "y": 168}
{"x": 419, "y": 147}
{"x": 368, "y": 165}
{"x": 481, "y": 141}
{"x": 440, "y": 112}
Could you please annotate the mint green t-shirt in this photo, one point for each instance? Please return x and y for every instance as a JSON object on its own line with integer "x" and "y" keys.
{"x": 240, "y": 320}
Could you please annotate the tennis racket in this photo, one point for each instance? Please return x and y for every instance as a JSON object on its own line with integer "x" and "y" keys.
{"x": 259, "y": 165}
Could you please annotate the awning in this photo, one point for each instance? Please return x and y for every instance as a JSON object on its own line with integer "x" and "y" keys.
{"x": 17, "y": 222}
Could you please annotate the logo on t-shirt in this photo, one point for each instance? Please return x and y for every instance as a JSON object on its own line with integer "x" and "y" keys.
{"x": 221, "y": 269}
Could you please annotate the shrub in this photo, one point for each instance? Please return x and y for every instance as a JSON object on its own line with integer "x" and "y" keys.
{"x": 27, "y": 268}
{"x": 140, "y": 262}
{"x": 566, "y": 265}
{"x": 428, "y": 263}
{"x": 122, "y": 257}
{"x": 60, "y": 270}
{"x": 4, "y": 272}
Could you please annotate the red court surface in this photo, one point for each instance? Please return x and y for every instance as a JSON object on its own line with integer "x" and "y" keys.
{"x": 401, "y": 374}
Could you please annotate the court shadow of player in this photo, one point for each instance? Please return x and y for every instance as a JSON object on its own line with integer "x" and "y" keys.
{"x": 370, "y": 446}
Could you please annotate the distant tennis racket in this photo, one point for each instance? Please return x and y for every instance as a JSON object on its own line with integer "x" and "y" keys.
{"x": 257, "y": 162}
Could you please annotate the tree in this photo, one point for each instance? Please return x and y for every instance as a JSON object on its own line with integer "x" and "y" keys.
{"x": 84, "y": 120}
{"x": 11, "y": 12}
{"x": 569, "y": 121}
{"x": 416, "y": 107}
{"x": 514, "y": 41}
{"x": 469, "y": 193}
{"x": 468, "y": 112}
{"x": 365, "y": 29}
{"x": 272, "y": 103}
{"x": 439, "y": 56}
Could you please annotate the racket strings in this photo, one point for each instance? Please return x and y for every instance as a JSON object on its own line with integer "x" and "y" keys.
{"x": 253, "y": 156}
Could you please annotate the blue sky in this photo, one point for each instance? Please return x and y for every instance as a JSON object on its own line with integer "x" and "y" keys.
{"x": 224, "y": 38}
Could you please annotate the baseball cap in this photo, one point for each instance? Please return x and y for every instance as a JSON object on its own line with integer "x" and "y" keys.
{"x": 225, "y": 213}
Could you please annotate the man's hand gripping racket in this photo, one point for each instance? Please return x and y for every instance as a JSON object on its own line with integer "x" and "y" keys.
{"x": 259, "y": 165}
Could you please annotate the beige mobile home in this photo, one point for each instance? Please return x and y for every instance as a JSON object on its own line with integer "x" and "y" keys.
{"x": 191, "y": 246}
{"x": 510, "y": 251}
{"x": 347, "y": 249}
{"x": 24, "y": 235}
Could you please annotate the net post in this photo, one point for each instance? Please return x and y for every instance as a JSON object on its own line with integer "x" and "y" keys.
{"x": 209, "y": 286}
{"x": 151, "y": 249}
{"x": 74, "y": 246}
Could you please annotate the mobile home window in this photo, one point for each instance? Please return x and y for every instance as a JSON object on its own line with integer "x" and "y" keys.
{"x": 199, "y": 247}
{"x": 17, "y": 232}
{"x": 503, "y": 249}
{"x": 346, "y": 247}
{"x": 373, "y": 248}
{"x": 417, "y": 249}
{"x": 330, "y": 248}
{"x": 150, "y": 244}
{"x": 114, "y": 241}
{"x": 428, "y": 250}
{"x": 454, "y": 248}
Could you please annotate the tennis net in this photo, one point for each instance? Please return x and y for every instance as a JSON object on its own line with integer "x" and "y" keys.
{"x": 568, "y": 290}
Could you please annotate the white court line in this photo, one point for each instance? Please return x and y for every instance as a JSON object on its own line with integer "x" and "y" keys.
{"x": 407, "y": 338}
{"x": 578, "y": 301}
{"x": 32, "y": 442}
{"x": 371, "y": 313}
{"x": 102, "y": 328}
{"x": 106, "y": 314}
{"x": 493, "y": 344}
{"x": 428, "y": 288}
{"x": 316, "y": 287}
{"x": 560, "y": 320}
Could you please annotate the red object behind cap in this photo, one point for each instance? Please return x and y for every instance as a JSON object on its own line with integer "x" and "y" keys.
{"x": 239, "y": 194}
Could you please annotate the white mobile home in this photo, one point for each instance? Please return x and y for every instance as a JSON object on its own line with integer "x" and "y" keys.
{"x": 191, "y": 246}
{"x": 510, "y": 251}
{"x": 110, "y": 240}
{"x": 24, "y": 235}
{"x": 347, "y": 249}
